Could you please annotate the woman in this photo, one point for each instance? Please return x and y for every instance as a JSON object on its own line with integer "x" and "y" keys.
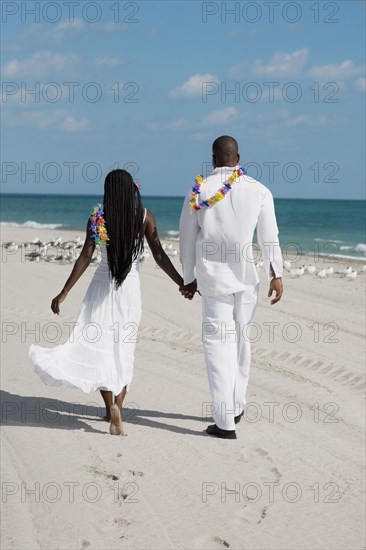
{"x": 99, "y": 353}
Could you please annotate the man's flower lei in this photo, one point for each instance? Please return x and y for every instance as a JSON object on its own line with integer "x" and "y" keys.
{"x": 216, "y": 197}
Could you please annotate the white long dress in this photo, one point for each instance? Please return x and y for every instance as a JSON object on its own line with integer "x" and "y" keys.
{"x": 99, "y": 353}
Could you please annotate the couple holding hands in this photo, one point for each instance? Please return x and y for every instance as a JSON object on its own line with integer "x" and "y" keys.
{"x": 217, "y": 224}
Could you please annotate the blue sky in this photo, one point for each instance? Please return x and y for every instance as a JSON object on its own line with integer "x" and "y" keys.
{"x": 146, "y": 86}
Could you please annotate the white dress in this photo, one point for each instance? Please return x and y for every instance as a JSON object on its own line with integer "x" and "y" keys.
{"x": 99, "y": 353}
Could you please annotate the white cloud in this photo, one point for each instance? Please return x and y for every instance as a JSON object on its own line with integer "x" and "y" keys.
{"x": 294, "y": 64}
{"x": 109, "y": 61}
{"x": 220, "y": 116}
{"x": 282, "y": 64}
{"x": 360, "y": 84}
{"x": 178, "y": 123}
{"x": 39, "y": 119}
{"x": 58, "y": 119}
{"x": 70, "y": 124}
{"x": 299, "y": 120}
{"x": 193, "y": 86}
{"x": 336, "y": 71}
{"x": 67, "y": 27}
{"x": 38, "y": 64}
{"x": 107, "y": 27}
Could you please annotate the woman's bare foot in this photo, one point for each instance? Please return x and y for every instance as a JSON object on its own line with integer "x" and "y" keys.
{"x": 116, "y": 426}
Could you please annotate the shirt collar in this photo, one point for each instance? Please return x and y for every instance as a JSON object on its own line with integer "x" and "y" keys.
{"x": 221, "y": 169}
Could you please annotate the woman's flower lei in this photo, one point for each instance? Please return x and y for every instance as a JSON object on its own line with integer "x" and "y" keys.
{"x": 216, "y": 197}
{"x": 97, "y": 226}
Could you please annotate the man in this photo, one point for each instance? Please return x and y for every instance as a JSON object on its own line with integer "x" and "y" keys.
{"x": 217, "y": 225}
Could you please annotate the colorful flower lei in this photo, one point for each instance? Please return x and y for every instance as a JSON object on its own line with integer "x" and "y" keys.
{"x": 216, "y": 197}
{"x": 97, "y": 226}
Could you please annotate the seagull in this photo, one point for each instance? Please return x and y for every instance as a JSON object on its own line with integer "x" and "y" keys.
{"x": 10, "y": 245}
{"x": 55, "y": 242}
{"x": 311, "y": 269}
{"x": 322, "y": 274}
{"x": 329, "y": 271}
{"x": 37, "y": 242}
{"x": 351, "y": 275}
{"x": 61, "y": 258}
{"x": 34, "y": 256}
{"x": 348, "y": 270}
{"x": 297, "y": 271}
{"x": 144, "y": 256}
{"x": 363, "y": 268}
{"x": 287, "y": 264}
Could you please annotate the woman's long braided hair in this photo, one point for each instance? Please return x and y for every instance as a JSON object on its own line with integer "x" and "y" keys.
{"x": 123, "y": 214}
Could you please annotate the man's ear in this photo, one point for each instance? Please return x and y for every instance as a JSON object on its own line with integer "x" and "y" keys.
{"x": 238, "y": 158}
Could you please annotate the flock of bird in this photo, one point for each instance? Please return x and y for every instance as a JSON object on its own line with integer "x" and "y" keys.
{"x": 67, "y": 252}
{"x": 51, "y": 251}
{"x": 323, "y": 273}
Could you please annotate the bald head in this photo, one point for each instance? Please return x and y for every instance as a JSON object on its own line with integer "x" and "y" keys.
{"x": 225, "y": 151}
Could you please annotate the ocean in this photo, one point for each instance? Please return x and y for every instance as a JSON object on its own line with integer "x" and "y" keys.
{"x": 324, "y": 227}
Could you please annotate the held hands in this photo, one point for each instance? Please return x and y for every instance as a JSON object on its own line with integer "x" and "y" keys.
{"x": 188, "y": 291}
{"x": 55, "y": 305}
{"x": 275, "y": 286}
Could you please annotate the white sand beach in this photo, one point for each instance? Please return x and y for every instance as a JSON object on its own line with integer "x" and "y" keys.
{"x": 294, "y": 478}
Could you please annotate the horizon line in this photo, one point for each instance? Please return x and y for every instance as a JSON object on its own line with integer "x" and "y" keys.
{"x": 169, "y": 196}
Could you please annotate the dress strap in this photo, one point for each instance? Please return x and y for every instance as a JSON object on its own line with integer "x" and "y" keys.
{"x": 145, "y": 212}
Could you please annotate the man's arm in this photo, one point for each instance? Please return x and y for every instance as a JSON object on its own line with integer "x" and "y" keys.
{"x": 188, "y": 230}
{"x": 267, "y": 234}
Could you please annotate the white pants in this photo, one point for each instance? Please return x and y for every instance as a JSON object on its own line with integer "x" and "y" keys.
{"x": 226, "y": 343}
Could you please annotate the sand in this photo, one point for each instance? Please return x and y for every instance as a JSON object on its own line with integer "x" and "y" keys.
{"x": 293, "y": 478}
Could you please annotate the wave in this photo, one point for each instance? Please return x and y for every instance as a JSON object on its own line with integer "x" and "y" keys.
{"x": 360, "y": 247}
{"x": 32, "y": 224}
{"x": 345, "y": 257}
{"x": 328, "y": 240}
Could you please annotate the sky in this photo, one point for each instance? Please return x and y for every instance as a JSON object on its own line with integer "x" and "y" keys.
{"x": 148, "y": 85}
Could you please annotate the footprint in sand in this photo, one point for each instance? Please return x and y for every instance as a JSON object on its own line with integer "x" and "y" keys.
{"x": 99, "y": 473}
{"x": 222, "y": 542}
{"x": 136, "y": 473}
{"x": 254, "y": 494}
{"x": 119, "y": 524}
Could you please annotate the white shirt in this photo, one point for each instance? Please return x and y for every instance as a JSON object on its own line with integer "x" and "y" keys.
{"x": 216, "y": 241}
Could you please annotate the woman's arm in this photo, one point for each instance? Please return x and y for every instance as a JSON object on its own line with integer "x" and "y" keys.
{"x": 79, "y": 267}
{"x": 161, "y": 258}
